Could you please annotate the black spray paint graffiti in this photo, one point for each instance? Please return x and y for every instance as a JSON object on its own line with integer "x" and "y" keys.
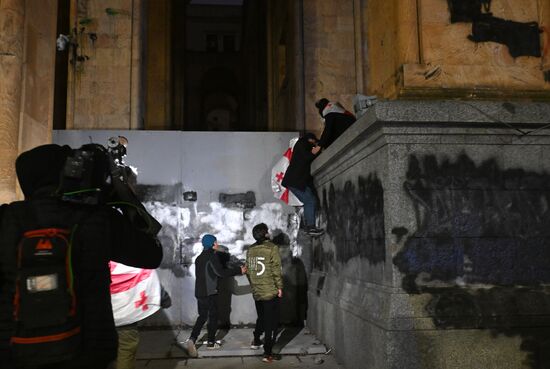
{"x": 522, "y": 39}
{"x": 477, "y": 223}
{"x": 355, "y": 221}
{"x": 480, "y": 225}
{"x": 245, "y": 200}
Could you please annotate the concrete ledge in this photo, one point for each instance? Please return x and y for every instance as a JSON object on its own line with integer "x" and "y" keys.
{"x": 438, "y": 117}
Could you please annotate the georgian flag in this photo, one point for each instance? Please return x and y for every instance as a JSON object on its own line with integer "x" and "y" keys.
{"x": 277, "y": 175}
{"x": 135, "y": 293}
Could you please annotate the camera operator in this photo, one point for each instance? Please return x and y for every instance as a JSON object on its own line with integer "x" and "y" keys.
{"x": 99, "y": 233}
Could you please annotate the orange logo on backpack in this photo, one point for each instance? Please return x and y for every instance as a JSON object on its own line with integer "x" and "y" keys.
{"x": 44, "y": 244}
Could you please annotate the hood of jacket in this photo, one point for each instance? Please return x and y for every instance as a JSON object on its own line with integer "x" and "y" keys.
{"x": 40, "y": 167}
{"x": 335, "y": 107}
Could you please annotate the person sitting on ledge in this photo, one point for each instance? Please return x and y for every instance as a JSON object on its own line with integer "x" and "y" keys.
{"x": 336, "y": 119}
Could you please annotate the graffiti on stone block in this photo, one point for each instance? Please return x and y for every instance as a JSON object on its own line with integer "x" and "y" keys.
{"x": 480, "y": 247}
{"x": 476, "y": 224}
{"x": 354, "y": 217}
{"x": 322, "y": 260}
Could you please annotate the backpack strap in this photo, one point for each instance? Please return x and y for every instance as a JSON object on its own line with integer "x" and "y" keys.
{"x": 32, "y": 221}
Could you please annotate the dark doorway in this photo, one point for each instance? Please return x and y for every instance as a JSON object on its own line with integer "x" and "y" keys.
{"x": 61, "y": 68}
{"x": 219, "y": 65}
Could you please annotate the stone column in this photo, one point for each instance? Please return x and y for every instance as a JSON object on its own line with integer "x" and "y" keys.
{"x": 136, "y": 66}
{"x": 298, "y": 47}
{"x": 12, "y": 18}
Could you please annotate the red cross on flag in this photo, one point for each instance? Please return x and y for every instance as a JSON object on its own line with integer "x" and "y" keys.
{"x": 277, "y": 175}
{"x": 135, "y": 293}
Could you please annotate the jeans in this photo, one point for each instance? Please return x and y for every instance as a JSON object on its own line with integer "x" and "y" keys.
{"x": 268, "y": 321}
{"x": 308, "y": 198}
{"x": 208, "y": 310}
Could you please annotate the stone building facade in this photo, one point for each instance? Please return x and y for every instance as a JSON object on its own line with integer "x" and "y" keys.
{"x": 436, "y": 211}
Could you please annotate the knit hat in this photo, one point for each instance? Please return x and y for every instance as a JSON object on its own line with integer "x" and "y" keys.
{"x": 41, "y": 167}
{"x": 208, "y": 241}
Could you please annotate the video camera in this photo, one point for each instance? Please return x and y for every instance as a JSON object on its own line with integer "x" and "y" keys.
{"x": 94, "y": 175}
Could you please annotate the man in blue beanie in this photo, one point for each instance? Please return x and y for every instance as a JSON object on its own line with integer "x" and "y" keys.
{"x": 208, "y": 269}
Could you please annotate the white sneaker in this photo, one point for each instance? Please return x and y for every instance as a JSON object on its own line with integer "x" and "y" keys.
{"x": 189, "y": 346}
{"x": 213, "y": 345}
{"x": 256, "y": 344}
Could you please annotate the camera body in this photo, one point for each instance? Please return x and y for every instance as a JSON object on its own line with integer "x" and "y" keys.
{"x": 94, "y": 175}
{"x": 85, "y": 176}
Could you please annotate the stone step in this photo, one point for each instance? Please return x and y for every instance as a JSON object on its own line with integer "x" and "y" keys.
{"x": 159, "y": 344}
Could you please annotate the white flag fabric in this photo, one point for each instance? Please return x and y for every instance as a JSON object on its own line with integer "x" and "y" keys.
{"x": 277, "y": 175}
{"x": 135, "y": 293}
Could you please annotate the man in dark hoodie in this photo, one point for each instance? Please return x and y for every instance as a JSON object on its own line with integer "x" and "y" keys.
{"x": 299, "y": 181}
{"x": 336, "y": 119}
{"x": 99, "y": 234}
{"x": 208, "y": 269}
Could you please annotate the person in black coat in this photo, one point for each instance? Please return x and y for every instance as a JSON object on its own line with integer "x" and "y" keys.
{"x": 100, "y": 233}
{"x": 208, "y": 269}
{"x": 336, "y": 119}
{"x": 299, "y": 181}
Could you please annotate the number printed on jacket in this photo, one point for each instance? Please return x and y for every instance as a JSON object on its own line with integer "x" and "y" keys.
{"x": 257, "y": 263}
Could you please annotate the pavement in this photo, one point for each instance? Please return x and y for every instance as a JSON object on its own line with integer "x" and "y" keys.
{"x": 159, "y": 349}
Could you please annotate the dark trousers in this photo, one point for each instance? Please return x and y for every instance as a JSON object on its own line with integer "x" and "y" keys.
{"x": 268, "y": 321}
{"x": 208, "y": 310}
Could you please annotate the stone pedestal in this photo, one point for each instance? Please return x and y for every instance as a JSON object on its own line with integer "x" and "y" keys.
{"x": 438, "y": 224}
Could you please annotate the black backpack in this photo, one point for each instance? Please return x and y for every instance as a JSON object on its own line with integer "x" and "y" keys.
{"x": 47, "y": 321}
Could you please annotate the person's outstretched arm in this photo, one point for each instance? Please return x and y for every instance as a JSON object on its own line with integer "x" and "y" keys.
{"x": 221, "y": 271}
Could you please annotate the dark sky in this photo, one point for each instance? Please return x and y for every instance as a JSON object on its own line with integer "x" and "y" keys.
{"x": 217, "y": 2}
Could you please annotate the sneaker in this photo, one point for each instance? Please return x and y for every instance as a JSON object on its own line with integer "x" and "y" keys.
{"x": 314, "y": 231}
{"x": 189, "y": 346}
{"x": 271, "y": 358}
{"x": 256, "y": 344}
{"x": 213, "y": 345}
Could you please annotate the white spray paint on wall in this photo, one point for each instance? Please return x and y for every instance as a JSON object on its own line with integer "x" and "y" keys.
{"x": 183, "y": 228}
{"x": 231, "y": 226}
{"x": 171, "y": 163}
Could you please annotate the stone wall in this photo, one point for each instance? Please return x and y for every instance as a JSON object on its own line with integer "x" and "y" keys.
{"x": 38, "y": 74}
{"x": 12, "y": 20}
{"x": 437, "y": 218}
{"x": 27, "y": 65}
{"x": 159, "y": 79}
{"x": 106, "y": 71}
{"x": 329, "y": 56}
{"x": 440, "y": 49}
{"x": 282, "y": 47}
{"x": 312, "y": 54}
